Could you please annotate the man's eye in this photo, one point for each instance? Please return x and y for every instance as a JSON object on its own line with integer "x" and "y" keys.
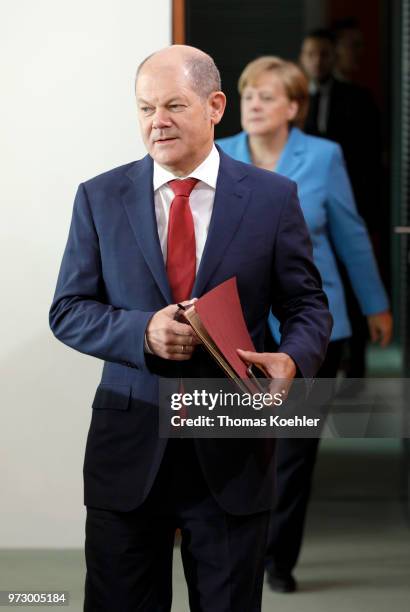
{"x": 145, "y": 109}
{"x": 176, "y": 106}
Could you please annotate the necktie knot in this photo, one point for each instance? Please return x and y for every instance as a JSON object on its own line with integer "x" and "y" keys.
{"x": 183, "y": 187}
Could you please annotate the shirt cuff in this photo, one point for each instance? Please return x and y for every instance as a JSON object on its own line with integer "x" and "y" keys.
{"x": 146, "y": 346}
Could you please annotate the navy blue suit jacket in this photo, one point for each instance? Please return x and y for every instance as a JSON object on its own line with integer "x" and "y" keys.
{"x": 113, "y": 279}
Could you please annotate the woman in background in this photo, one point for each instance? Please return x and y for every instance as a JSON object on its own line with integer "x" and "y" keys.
{"x": 274, "y": 103}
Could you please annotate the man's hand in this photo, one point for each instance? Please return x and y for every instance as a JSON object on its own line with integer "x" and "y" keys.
{"x": 381, "y": 327}
{"x": 278, "y": 366}
{"x": 168, "y": 338}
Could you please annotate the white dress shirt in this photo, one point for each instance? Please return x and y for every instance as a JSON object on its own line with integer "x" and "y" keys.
{"x": 201, "y": 201}
{"x": 323, "y": 111}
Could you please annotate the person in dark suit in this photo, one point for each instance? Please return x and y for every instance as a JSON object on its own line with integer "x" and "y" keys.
{"x": 349, "y": 45}
{"x": 144, "y": 236}
{"x": 346, "y": 113}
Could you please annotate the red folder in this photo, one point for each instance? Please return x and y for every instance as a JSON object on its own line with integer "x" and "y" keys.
{"x": 217, "y": 319}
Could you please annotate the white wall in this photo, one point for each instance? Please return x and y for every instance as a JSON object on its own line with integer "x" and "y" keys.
{"x": 66, "y": 114}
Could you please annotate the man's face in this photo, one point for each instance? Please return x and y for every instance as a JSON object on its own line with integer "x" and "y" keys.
{"x": 349, "y": 50}
{"x": 317, "y": 58}
{"x": 177, "y": 125}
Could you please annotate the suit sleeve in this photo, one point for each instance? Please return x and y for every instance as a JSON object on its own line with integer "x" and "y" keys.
{"x": 298, "y": 299}
{"x": 351, "y": 239}
{"x": 79, "y": 315}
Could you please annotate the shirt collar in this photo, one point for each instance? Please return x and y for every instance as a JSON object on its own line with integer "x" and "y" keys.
{"x": 207, "y": 171}
{"x": 324, "y": 88}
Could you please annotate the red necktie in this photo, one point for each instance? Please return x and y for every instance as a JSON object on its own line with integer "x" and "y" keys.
{"x": 181, "y": 250}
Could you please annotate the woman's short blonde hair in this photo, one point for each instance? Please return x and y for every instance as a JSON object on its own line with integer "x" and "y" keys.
{"x": 292, "y": 77}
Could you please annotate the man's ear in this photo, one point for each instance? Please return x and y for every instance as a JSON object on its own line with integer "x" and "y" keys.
{"x": 217, "y": 103}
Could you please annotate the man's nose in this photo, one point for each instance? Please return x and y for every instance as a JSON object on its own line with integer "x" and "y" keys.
{"x": 161, "y": 119}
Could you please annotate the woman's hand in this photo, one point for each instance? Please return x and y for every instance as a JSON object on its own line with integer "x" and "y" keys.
{"x": 381, "y": 327}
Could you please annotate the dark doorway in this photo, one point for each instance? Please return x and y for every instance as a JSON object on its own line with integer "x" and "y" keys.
{"x": 236, "y": 31}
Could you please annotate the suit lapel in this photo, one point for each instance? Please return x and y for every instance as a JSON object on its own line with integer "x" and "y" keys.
{"x": 292, "y": 155}
{"x": 231, "y": 199}
{"x": 139, "y": 205}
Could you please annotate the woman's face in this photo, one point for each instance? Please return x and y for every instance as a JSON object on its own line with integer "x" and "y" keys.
{"x": 265, "y": 106}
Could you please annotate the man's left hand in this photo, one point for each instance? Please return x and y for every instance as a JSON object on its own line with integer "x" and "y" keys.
{"x": 278, "y": 366}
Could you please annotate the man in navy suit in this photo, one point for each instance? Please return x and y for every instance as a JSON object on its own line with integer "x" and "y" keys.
{"x": 144, "y": 236}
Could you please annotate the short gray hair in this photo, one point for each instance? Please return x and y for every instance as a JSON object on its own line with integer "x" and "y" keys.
{"x": 203, "y": 74}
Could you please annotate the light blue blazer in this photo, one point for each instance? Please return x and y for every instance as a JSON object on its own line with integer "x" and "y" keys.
{"x": 326, "y": 198}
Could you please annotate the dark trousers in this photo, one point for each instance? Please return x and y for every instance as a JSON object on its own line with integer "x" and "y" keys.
{"x": 129, "y": 554}
{"x": 357, "y": 343}
{"x": 355, "y": 366}
{"x": 295, "y": 462}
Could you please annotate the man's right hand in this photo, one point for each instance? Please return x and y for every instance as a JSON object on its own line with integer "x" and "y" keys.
{"x": 168, "y": 338}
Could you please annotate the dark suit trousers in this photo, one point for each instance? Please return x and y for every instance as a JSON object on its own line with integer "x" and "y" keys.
{"x": 129, "y": 554}
{"x": 295, "y": 462}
